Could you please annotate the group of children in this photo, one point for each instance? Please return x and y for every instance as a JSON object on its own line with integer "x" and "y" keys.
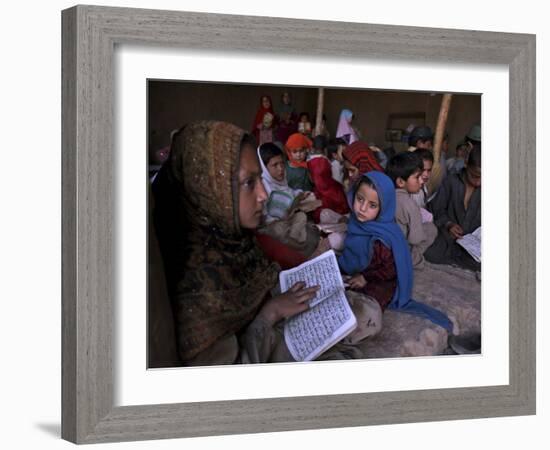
{"x": 381, "y": 218}
{"x": 276, "y": 125}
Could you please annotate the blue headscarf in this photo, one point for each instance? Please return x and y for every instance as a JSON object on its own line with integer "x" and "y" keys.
{"x": 359, "y": 244}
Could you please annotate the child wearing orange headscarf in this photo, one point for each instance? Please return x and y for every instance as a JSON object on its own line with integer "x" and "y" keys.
{"x": 297, "y": 147}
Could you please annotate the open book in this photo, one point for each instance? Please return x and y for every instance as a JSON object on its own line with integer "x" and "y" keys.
{"x": 329, "y": 318}
{"x": 472, "y": 244}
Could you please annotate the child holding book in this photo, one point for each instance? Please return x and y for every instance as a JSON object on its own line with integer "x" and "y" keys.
{"x": 376, "y": 255}
{"x": 405, "y": 170}
{"x": 226, "y": 310}
{"x": 219, "y": 281}
{"x": 457, "y": 212}
{"x": 280, "y": 196}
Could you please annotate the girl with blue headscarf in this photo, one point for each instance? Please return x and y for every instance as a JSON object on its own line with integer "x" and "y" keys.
{"x": 376, "y": 254}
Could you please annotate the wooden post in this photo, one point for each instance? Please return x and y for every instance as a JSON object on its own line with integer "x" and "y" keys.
{"x": 320, "y": 107}
{"x": 438, "y": 170}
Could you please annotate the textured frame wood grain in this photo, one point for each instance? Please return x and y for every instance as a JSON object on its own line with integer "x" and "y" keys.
{"x": 89, "y": 37}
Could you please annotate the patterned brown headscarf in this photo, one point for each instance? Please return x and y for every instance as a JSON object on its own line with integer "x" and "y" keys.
{"x": 217, "y": 276}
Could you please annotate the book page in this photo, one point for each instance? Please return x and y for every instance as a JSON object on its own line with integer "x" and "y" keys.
{"x": 314, "y": 331}
{"x": 329, "y": 318}
{"x": 321, "y": 271}
{"x": 472, "y": 244}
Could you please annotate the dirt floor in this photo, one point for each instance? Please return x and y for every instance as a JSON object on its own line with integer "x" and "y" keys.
{"x": 454, "y": 291}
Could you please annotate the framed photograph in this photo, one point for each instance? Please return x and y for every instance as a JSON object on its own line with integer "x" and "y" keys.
{"x": 172, "y": 104}
{"x": 98, "y": 369}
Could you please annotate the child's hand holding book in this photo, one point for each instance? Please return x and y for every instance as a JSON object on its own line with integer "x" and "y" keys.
{"x": 455, "y": 230}
{"x": 328, "y": 318}
{"x": 357, "y": 281}
{"x": 292, "y": 302}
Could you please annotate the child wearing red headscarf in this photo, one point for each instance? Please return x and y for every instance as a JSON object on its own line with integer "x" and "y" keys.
{"x": 266, "y": 107}
{"x": 359, "y": 159}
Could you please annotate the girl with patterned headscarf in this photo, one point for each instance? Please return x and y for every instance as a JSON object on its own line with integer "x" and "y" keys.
{"x": 208, "y": 202}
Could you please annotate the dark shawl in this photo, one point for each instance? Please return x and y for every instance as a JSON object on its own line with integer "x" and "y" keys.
{"x": 448, "y": 206}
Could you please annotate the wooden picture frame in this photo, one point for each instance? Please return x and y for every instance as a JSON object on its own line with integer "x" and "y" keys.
{"x": 90, "y": 34}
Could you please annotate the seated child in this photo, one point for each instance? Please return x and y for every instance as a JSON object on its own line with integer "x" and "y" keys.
{"x": 264, "y": 108}
{"x": 297, "y": 146}
{"x": 376, "y": 255}
{"x": 422, "y": 197}
{"x": 358, "y": 159}
{"x": 458, "y": 162}
{"x": 457, "y": 211}
{"x": 334, "y": 154}
{"x": 286, "y": 236}
{"x": 286, "y": 118}
{"x": 304, "y": 124}
{"x": 330, "y": 192}
{"x": 265, "y": 132}
{"x": 405, "y": 170}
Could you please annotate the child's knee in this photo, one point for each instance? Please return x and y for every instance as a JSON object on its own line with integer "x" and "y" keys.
{"x": 368, "y": 314}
